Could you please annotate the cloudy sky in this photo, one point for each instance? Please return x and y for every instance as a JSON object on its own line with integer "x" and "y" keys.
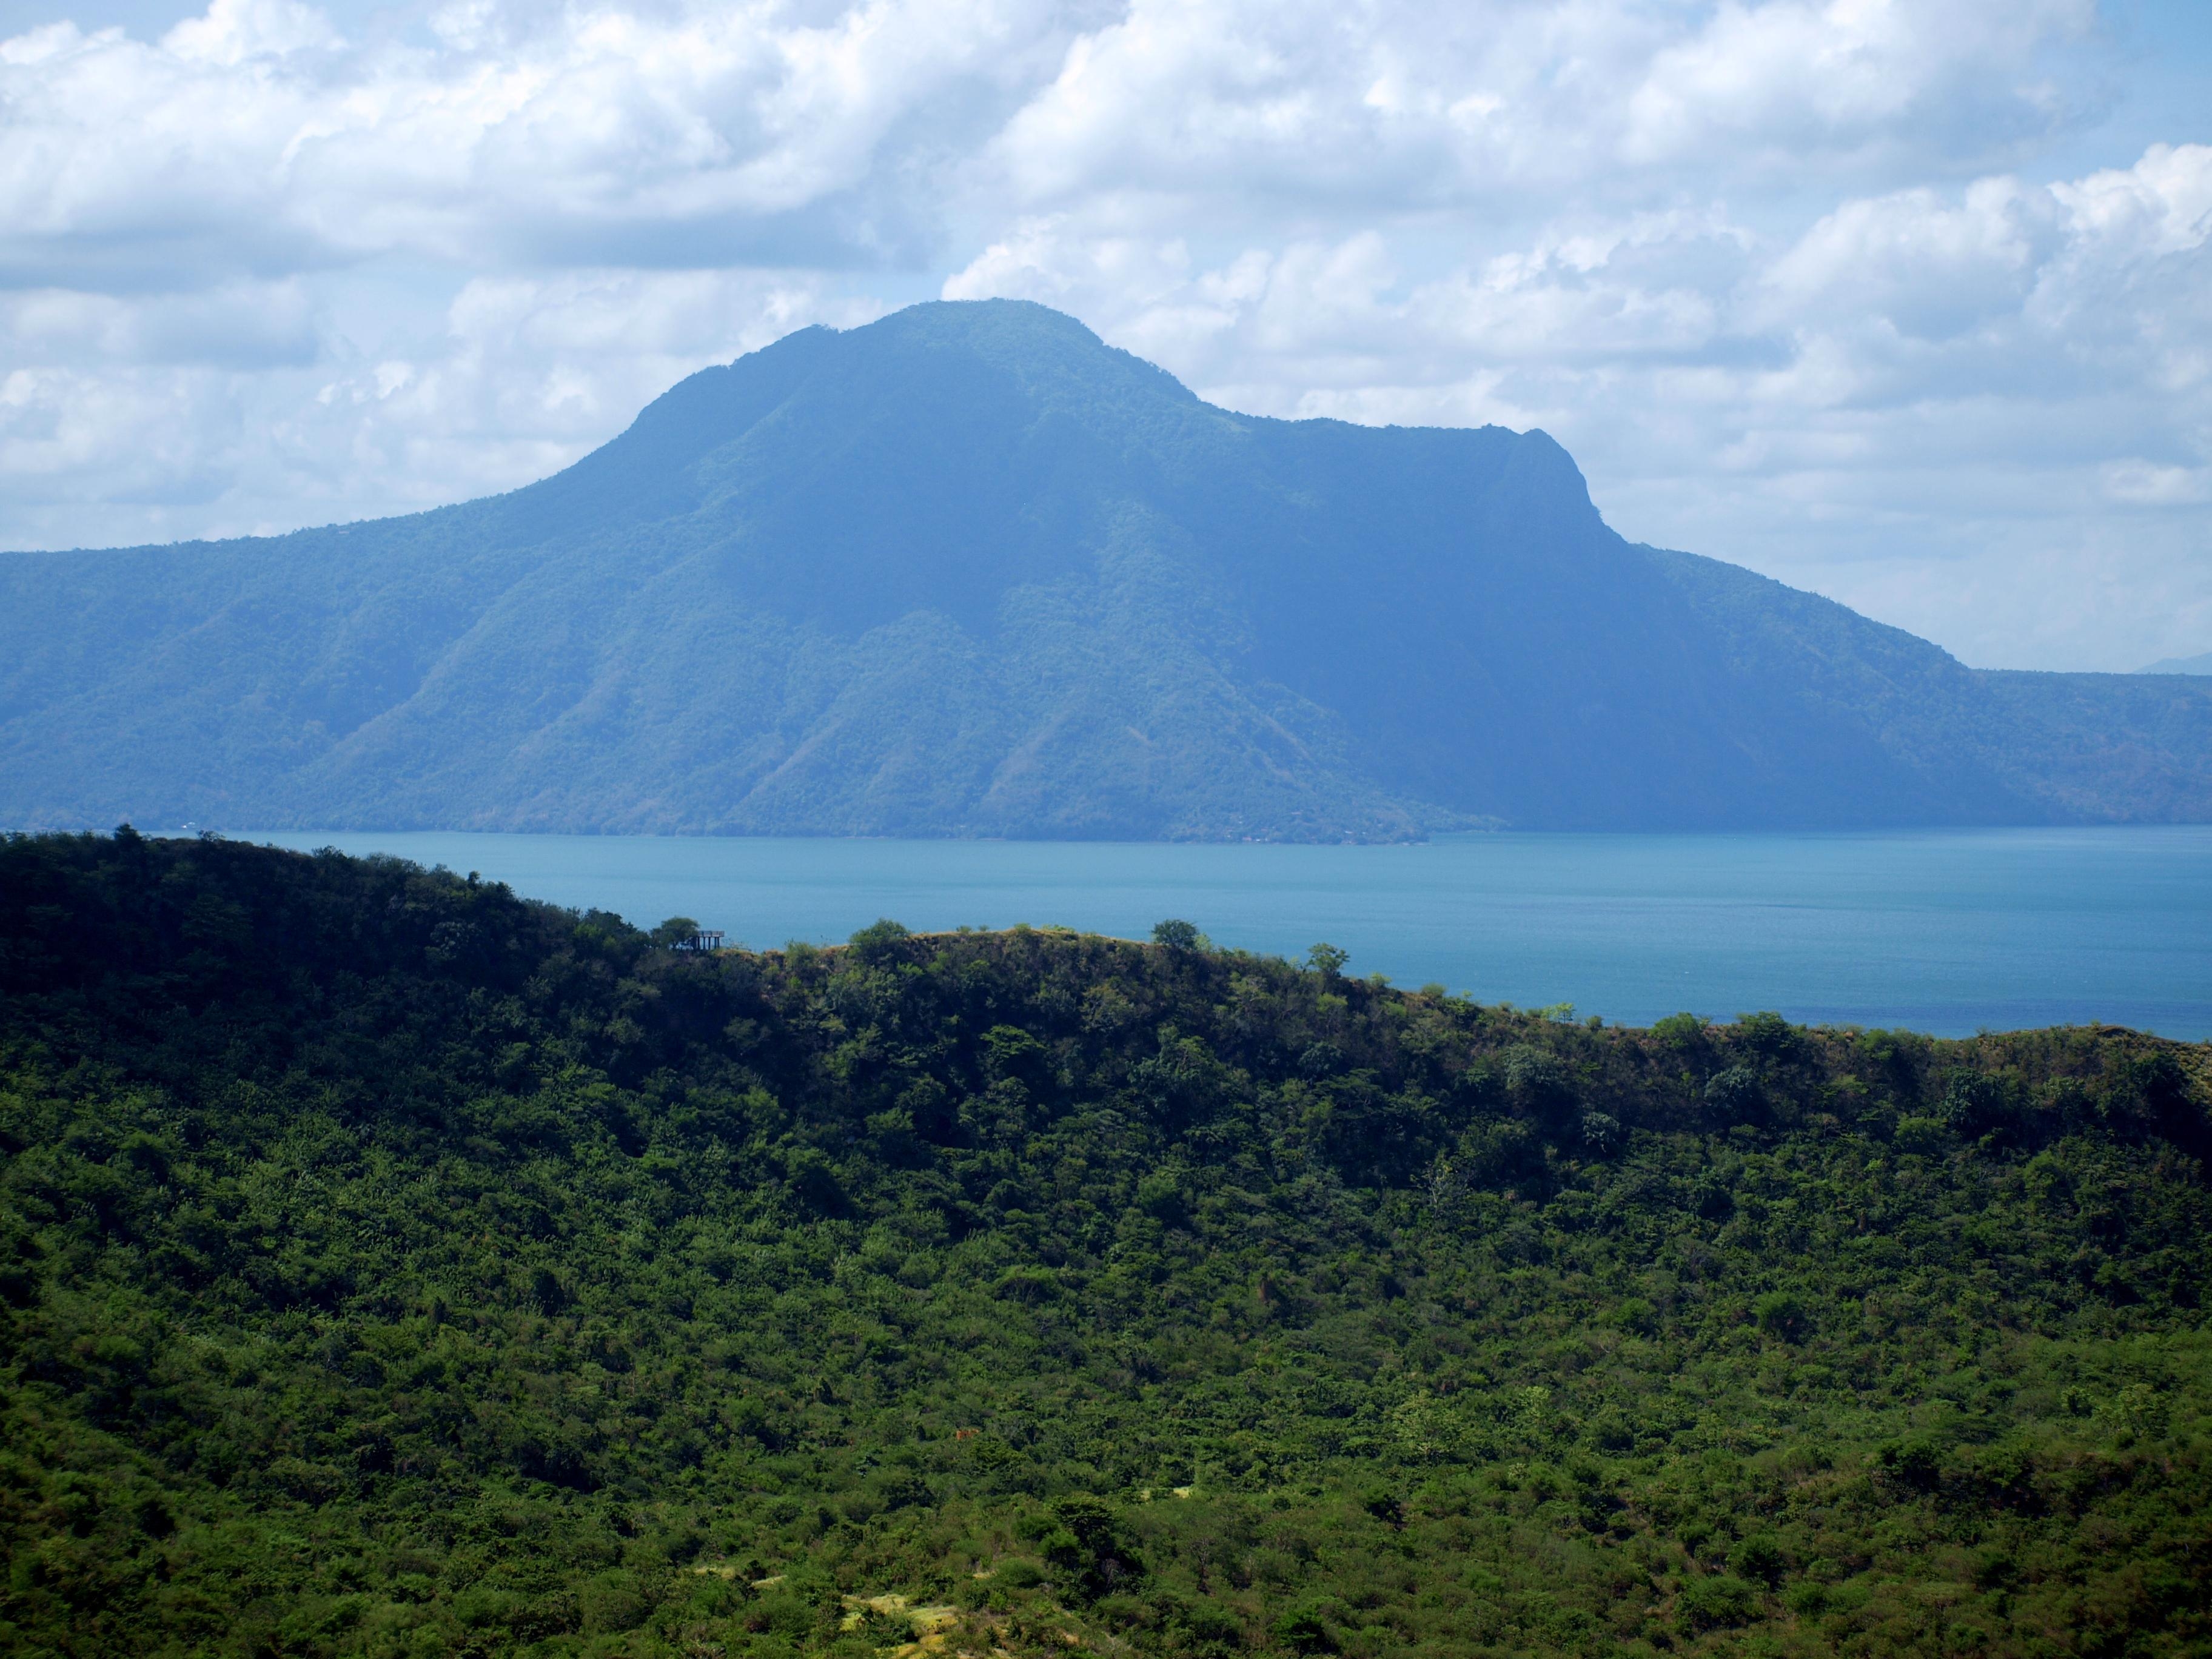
{"x": 1908, "y": 301}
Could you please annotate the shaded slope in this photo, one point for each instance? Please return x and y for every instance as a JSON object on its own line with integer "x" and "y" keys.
{"x": 969, "y": 571}
{"x": 2080, "y": 748}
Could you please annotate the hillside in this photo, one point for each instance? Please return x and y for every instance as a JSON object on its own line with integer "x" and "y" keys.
{"x": 389, "y": 1265}
{"x": 2181, "y": 665}
{"x": 969, "y": 571}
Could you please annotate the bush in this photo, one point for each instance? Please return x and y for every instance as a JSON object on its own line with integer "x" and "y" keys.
{"x": 1782, "y": 1313}
{"x": 1914, "y": 1464}
{"x": 1806, "y": 1600}
{"x": 1092, "y": 1546}
{"x": 613, "y": 1601}
{"x": 1736, "y": 1096}
{"x": 1759, "y": 1557}
{"x": 1384, "y": 1505}
{"x": 878, "y": 941}
{"x": 1160, "y": 1196}
{"x": 1320, "y": 1060}
{"x": 1923, "y": 1135}
{"x": 1976, "y": 1104}
{"x": 1304, "y": 1629}
{"x": 1535, "y": 1078}
{"x": 1766, "y": 1035}
{"x": 1721, "y": 1602}
{"x": 1207, "y": 1627}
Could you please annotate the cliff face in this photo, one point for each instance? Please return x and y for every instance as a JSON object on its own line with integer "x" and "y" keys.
{"x": 969, "y": 571}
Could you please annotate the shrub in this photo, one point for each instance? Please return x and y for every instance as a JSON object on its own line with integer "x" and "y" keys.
{"x": 875, "y": 943}
{"x": 1736, "y": 1095}
{"x": 1758, "y": 1557}
{"x": 1720, "y": 1602}
{"x": 1782, "y": 1313}
{"x": 1160, "y": 1196}
{"x": 1920, "y": 1134}
{"x": 1304, "y": 1629}
{"x": 1976, "y": 1104}
{"x": 1766, "y": 1035}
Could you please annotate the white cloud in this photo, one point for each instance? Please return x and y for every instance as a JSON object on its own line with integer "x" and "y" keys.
{"x": 515, "y": 378}
{"x": 242, "y": 325}
{"x": 1789, "y": 77}
{"x": 1917, "y": 263}
{"x": 2146, "y": 483}
{"x": 1783, "y": 275}
{"x": 246, "y": 139}
{"x": 232, "y": 31}
{"x": 1254, "y": 106}
{"x": 1921, "y": 389}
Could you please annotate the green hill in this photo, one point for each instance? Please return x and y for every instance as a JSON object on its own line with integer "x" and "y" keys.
{"x": 391, "y": 1265}
{"x": 969, "y": 571}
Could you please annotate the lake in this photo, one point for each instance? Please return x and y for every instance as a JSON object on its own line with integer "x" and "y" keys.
{"x": 1943, "y": 931}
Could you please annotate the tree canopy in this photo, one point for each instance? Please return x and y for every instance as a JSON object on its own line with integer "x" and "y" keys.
{"x": 390, "y": 1265}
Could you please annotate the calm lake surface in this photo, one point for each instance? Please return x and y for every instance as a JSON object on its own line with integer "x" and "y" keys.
{"x": 1947, "y": 931}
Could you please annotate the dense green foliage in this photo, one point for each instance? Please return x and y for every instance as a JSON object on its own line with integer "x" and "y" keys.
{"x": 969, "y": 571}
{"x": 391, "y": 1266}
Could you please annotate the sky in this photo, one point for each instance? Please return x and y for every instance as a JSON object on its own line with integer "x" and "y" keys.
{"x": 1908, "y": 302}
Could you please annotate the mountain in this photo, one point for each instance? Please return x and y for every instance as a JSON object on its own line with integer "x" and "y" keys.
{"x": 2181, "y": 665}
{"x": 969, "y": 571}
{"x": 391, "y": 1265}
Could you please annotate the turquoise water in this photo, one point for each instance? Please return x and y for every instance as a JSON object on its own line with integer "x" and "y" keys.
{"x": 1946, "y": 931}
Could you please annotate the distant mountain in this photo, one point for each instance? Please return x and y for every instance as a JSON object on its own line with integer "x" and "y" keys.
{"x": 2181, "y": 665}
{"x": 969, "y": 571}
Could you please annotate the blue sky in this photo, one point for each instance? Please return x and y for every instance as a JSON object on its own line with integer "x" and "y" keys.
{"x": 1908, "y": 303}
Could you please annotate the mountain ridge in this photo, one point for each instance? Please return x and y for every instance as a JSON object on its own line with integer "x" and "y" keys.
{"x": 2197, "y": 665}
{"x": 969, "y": 571}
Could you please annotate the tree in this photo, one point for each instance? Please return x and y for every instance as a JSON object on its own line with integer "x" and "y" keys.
{"x": 1177, "y": 934}
{"x": 877, "y": 941}
{"x": 1736, "y": 1097}
{"x": 1328, "y": 960}
{"x": 675, "y": 932}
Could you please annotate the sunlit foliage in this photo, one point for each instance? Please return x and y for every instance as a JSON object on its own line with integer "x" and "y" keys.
{"x": 391, "y": 1266}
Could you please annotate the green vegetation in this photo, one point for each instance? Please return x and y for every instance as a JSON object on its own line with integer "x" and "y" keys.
{"x": 391, "y": 1266}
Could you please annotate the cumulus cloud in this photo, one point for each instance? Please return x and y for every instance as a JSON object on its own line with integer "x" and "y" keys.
{"x": 1916, "y": 391}
{"x": 1884, "y": 77}
{"x": 1784, "y": 274}
{"x": 1408, "y": 105}
{"x": 231, "y": 32}
{"x": 254, "y": 138}
{"x": 515, "y": 376}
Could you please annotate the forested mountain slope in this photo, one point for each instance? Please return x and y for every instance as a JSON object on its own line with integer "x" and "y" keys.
{"x": 391, "y": 1265}
{"x": 969, "y": 571}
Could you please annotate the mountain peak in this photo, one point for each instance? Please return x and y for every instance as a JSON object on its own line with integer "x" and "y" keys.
{"x": 968, "y": 569}
{"x": 1044, "y": 347}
